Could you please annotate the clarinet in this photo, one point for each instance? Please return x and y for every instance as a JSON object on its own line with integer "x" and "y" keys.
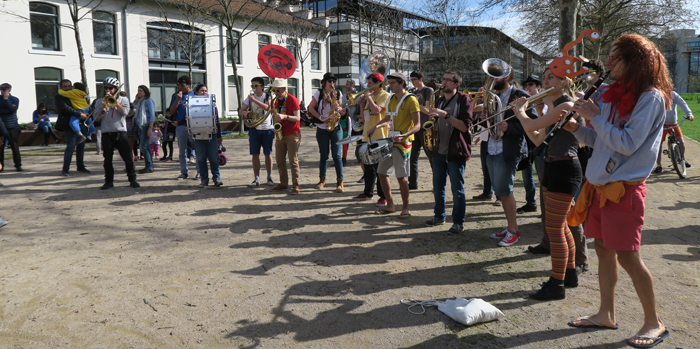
{"x": 558, "y": 126}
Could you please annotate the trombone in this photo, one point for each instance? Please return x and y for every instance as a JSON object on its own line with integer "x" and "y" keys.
{"x": 531, "y": 103}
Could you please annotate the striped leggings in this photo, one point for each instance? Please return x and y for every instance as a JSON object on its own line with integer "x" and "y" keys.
{"x": 562, "y": 246}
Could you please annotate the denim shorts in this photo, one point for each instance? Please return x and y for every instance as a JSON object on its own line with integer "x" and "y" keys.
{"x": 502, "y": 174}
{"x": 258, "y": 138}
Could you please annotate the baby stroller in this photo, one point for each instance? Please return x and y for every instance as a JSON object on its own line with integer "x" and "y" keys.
{"x": 222, "y": 157}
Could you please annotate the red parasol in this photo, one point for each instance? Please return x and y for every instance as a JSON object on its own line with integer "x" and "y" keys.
{"x": 276, "y": 61}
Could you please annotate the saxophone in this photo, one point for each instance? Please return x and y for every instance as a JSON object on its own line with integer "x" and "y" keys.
{"x": 334, "y": 117}
{"x": 430, "y": 135}
{"x": 278, "y": 125}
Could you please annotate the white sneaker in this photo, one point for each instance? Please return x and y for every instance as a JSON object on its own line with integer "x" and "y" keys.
{"x": 3, "y": 222}
{"x": 192, "y": 161}
{"x": 254, "y": 184}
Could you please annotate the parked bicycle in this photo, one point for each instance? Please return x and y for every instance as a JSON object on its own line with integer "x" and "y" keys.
{"x": 674, "y": 151}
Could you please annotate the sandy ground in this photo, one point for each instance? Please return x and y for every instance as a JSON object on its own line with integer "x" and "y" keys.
{"x": 172, "y": 265}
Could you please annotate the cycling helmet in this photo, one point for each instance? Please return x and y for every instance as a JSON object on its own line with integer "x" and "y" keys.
{"x": 111, "y": 81}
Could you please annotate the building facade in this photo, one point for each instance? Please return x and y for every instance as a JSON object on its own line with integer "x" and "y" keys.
{"x": 683, "y": 58}
{"x": 133, "y": 41}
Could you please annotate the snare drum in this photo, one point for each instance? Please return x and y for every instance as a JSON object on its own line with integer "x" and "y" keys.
{"x": 375, "y": 151}
{"x": 201, "y": 116}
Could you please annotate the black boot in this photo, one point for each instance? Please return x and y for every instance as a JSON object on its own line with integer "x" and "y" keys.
{"x": 46, "y": 140}
{"x": 571, "y": 278}
{"x": 551, "y": 290}
{"x": 55, "y": 137}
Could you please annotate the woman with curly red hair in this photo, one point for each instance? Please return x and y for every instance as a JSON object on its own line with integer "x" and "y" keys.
{"x": 626, "y": 136}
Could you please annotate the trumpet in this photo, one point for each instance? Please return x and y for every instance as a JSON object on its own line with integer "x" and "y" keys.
{"x": 111, "y": 101}
{"x": 531, "y": 103}
{"x": 473, "y": 94}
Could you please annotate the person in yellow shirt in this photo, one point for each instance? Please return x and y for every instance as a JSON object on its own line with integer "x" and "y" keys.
{"x": 373, "y": 104}
{"x": 78, "y": 99}
{"x": 403, "y": 118}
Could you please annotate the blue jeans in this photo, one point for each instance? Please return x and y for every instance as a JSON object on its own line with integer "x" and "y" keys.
{"x": 208, "y": 149}
{"x": 455, "y": 170}
{"x": 529, "y": 184}
{"x": 143, "y": 145}
{"x": 182, "y": 139}
{"x": 502, "y": 174}
{"x": 44, "y": 126}
{"x": 485, "y": 169}
{"x": 323, "y": 137}
{"x": 71, "y": 139}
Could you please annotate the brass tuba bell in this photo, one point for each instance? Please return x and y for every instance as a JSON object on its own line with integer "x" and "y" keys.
{"x": 494, "y": 69}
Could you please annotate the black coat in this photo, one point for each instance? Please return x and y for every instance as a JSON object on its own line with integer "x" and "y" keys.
{"x": 514, "y": 144}
{"x": 65, "y": 111}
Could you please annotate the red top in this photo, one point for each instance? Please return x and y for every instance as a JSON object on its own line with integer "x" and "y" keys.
{"x": 291, "y": 104}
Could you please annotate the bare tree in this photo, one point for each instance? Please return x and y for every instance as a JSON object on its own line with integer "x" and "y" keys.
{"x": 611, "y": 17}
{"x": 189, "y": 41}
{"x": 77, "y": 12}
{"x": 303, "y": 38}
{"x": 239, "y": 18}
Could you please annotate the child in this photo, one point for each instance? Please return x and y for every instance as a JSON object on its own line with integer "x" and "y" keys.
{"x": 154, "y": 141}
{"x": 78, "y": 99}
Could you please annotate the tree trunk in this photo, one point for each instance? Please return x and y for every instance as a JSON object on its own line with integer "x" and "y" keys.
{"x": 235, "y": 76}
{"x": 568, "y": 10}
{"x": 79, "y": 44}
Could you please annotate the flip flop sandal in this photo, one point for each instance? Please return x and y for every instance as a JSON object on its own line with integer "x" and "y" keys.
{"x": 656, "y": 340}
{"x": 405, "y": 215}
{"x": 595, "y": 325}
{"x": 382, "y": 212}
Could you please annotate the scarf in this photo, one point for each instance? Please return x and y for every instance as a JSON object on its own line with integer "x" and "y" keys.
{"x": 620, "y": 95}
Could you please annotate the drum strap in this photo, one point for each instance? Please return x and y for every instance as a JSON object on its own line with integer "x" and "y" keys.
{"x": 398, "y": 107}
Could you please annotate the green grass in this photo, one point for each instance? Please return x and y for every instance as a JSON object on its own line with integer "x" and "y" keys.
{"x": 691, "y": 129}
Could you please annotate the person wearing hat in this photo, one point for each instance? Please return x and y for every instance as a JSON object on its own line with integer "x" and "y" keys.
{"x": 177, "y": 109}
{"x": 423, "y": 93}
{"x": 324, "y": 102}
{"x": 114, "y": 133}
{"x": 403, "y": 118}
{"x": 8, "y": 115}
{"x": 532, "y": 86}
{"x": 286, "y": 112}
{"x": 373, "y": 103}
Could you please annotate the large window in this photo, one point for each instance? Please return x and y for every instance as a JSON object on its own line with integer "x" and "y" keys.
{"x": 315, "y": 56}
{"x": 695, "y": 64}
{"x": 100, "y": 76}
{"x": 236, "y": 49}
{"x": 47, "y": 81}
{"x": 233, "y": 92}
{"x": 293, "y": 47}
{"x": 104, "y": 32}
{"x": 263, "y": 40}
{"x": 293, "y": 87}
{"x": 316, "y": 84}
{"x": 171, "y": 42}
{"x": 44, "y": 26}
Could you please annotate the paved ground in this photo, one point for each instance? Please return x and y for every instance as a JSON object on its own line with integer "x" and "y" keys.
{"x": 172, "y": 265}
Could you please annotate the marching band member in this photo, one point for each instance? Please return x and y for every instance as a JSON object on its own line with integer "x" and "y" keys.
{"x": 114, "y": 133}
{"x": 560, "y": 182}
{"x": 262, "y": 135}
{"x": 287, "y": 107}
{"x": 373, "y": 104}
{"x": 177, "y": 110}
{"x": 208, "y": 148}
{"x": 324, "y": 102}
{"x": 626, "y": 136}
{"x": 503, "y": 156}
{"x": 454, "y": 119}
{"x": 423, "y": 93}
{"x": 403, "y": 113}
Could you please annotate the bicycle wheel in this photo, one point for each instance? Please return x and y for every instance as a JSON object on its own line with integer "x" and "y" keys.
{"x": 677, "y": 159}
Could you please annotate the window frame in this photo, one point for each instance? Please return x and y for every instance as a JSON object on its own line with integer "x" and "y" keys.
{"x": 261, "y": 42}
{"x": 229, "y": 45}
{"x": 53, "y": 86}
{"x": 113, "y": 24}
{"x": 56, "y": 25}
{"x": 316, "y": 48}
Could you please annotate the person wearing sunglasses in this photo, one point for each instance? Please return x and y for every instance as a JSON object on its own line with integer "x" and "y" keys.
{"x": 262, "y": 135}
{"x": 287, "y": 114}
{"x": 114, "y": 133}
